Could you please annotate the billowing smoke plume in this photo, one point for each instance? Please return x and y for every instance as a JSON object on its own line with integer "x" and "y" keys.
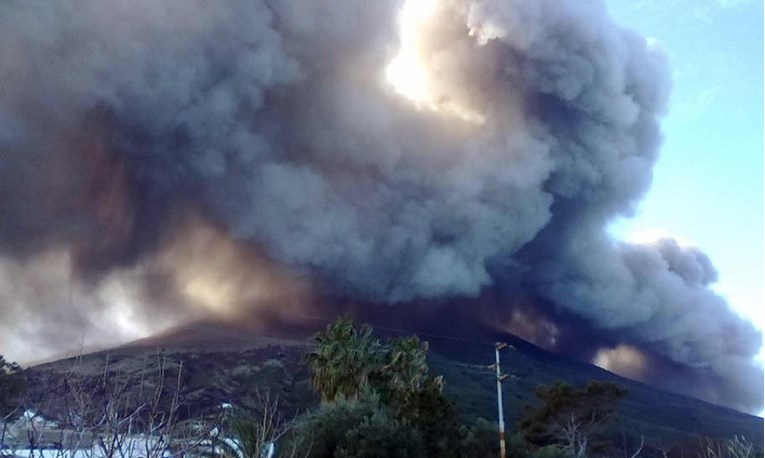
{"x": 504, "y": 139}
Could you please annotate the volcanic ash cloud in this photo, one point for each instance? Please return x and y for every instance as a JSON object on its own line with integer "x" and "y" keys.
{"x": 388, "y": 151}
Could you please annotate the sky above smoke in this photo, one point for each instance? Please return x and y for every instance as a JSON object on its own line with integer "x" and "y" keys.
{"x": 164, "y": 160}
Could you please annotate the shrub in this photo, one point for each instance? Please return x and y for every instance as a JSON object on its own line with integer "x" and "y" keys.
{"x": 480, "y": 440}
{"x": 12, "y": 387}
{"x": 355, "y": 429}
{"x": 381, "y": 436}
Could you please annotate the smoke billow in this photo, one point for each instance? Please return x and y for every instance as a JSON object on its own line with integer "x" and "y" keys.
{"x": 507, "y": 136}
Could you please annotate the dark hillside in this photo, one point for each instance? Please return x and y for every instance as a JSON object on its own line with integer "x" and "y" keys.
{"x": 223, "y": 363}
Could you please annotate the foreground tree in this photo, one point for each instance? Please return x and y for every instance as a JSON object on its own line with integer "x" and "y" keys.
{"x": 96, "y": 411}
{"x": 479, "y": 440}
{"x": 736, "y": 447}
{"x": 405, "y": 366}
{"x": 572, "y": 418}
{"x": 12, "y": 387}
{"x": 344, "y": 360}
{"x": 254, "y": 434}
{"x": 348, "y": 361}
{"x": 349, "y": 364}
{"x": 355, "y": 429}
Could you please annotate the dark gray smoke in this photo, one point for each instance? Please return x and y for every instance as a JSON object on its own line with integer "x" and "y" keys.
{"x": 274, "y": 120}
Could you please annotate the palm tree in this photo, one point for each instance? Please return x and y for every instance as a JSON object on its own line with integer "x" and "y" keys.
{"x": 343, "y": 360}
{"x": 406, "y": 366}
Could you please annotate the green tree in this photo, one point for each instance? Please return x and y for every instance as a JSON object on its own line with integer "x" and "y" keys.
{"x": 344, "y": 360}
{"x": 354, "y": 429}
{"x": 417, "y": 398}
{"x": 348, "y": 363}
{"x": 12, "y": 387}
{"x": 433, "y": 415}
{"x": 572, "y": 418}
{"x": 405, "y": 366}
{"x": 382, "y": 436}
{"x": 480, "y": 440}
{"x": 403, "y": 372}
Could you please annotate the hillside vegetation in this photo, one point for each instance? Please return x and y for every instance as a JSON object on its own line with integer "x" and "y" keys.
{"x": 352, "y": 392}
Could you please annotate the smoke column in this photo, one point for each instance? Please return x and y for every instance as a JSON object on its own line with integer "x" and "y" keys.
{"x": 166, "y": 159}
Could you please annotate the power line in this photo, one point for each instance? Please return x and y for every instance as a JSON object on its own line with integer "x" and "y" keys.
{"x": 389, "y": 328}
{"x": 472, "y": 368}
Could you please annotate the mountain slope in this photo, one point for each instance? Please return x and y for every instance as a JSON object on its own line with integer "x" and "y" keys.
{"x": 229, "y": 363}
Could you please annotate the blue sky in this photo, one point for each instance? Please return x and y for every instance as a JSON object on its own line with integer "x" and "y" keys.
{"x": 708, "y": 184}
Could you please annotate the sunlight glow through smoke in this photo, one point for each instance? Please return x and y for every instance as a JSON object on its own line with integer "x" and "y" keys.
{"x": 624, "y": 360}
{"x": 408, "y": 71}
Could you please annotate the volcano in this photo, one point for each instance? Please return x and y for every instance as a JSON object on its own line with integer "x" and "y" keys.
{"x": 225, "y": 362}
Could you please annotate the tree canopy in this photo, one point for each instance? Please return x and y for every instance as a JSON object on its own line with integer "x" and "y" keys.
{"x": 348, "y": 363}
{"x": 343, "y": 360}
{"x": 571, "y": 417}
{"x": 12, "y": 386}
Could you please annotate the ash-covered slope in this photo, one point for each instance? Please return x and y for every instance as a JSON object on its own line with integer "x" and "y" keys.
{"x": 228, "y": 362}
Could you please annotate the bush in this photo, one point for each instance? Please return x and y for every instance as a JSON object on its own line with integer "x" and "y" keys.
{"x": 572, "y": 418}
{"x": 12, "y": 387}
{"x": 355, "y": 429}
{"x": 381, "y": 436}
{"x": 480, "y": 440}
{"x": 433, "y": 415}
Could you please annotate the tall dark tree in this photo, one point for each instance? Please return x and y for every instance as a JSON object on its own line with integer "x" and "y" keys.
{"x": 344, "y": 359}
{"x": 403, "y": 370}
{"x": 406, "y": 363}
{"x": 573, "y": 418}
{"x": 433, "y": 415}
{"x": 348, "y": 362}
{"x": 12, "y": 387}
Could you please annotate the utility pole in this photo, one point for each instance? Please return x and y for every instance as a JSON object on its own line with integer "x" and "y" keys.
{"x": 500, "y": 377}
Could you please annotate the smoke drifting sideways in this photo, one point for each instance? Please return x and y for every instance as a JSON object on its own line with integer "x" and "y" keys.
{"x": 169, "y": 159}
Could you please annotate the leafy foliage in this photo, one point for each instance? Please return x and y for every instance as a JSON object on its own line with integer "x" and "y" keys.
{"x": 382, "y": 436}
{"x": 343, "y": 360}
{"x": 12, "y": 387}
{"x": 433, "y": 415}
{"x": 480, "y": 440}
{"x": 571, "y": 417}
{"x": 551, "y": 451}
{"x": 405, "y": 367}
{"x": 355, "y": 428}
{"x": 348, "y": 363}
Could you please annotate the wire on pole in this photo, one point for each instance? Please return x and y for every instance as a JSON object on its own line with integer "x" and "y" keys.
{"x": 500, "y": 377}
